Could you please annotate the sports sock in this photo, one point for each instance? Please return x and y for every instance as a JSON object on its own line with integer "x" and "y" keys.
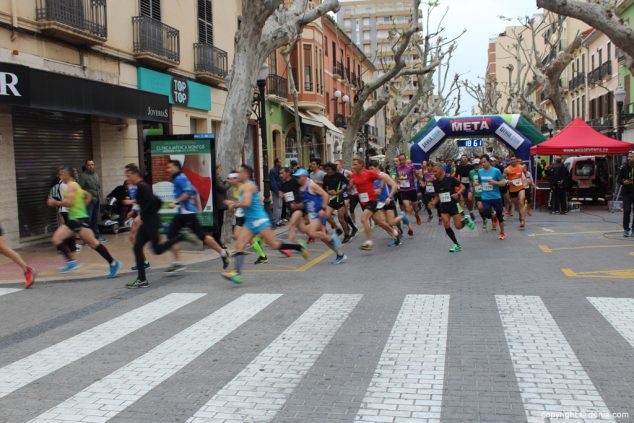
{"x": 257, "y": 246}
{"x": 451, "y": 235}
{"x": 103, "y": 252}
{"x": 64, "y": 250}
{"x": 239, "y": 259}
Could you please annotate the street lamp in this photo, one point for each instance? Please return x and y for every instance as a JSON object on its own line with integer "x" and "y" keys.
{"x": 619, "y": 95}
{"x": 259, "y": 108}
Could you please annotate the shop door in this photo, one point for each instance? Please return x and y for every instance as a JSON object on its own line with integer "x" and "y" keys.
{"x": 42, "y": 141}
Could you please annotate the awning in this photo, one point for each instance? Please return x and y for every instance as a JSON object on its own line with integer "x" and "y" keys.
{"x": 305, "y": 117}
{"x": 327, "y": 123}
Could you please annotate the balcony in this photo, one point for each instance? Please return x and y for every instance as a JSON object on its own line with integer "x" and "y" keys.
{"x": 155, "y": 42}
{"x": 308, "y": 86}
{"x": 277, "y": 86}
{"x": 602, "y": 72}
{"x": 577, "y": 81}
{"x": 210, "y": 63}
{"x": 602, "y": 123}
{"x": 76, "y": 21}
{"x": 340, "y": 121}
{"x": 338, "y": 70}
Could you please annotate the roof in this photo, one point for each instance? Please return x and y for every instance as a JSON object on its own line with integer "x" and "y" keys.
{"x": 578, "y": 138}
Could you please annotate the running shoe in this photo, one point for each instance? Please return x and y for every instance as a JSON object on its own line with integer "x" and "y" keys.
{"x": 175, "y": 268}
{"x": 226, "y": 259}
{"x": 336, "y": 242}
{"x": 484, "y": 225}
{"x": 419, "y": 221}
{"x": 137, "y": 283}
{"x": 367, "y": 246}
{"x": 233, "y": 276}
{"x": 469, "y": 222}
{"x": 346, "y": 239}
{"x": 339, "y": 231}
{"x": 455, "y": 248}
{"x": 392, "y": 243}
{"x": 304, "y": 251}
{"x": 354, "y": 232}
{"x": 146, "y": 264}
{"x": 29, "y": 277}
{"x": 310, "y": 241}
{"x": 626, "y": 234}
{"x": 405, "y": 218}
{"x": 522, "y": 226}
{"x": 114, "y": 269}
{"x": 70, "y": 266}
{"x": 261, "y": 260}
{"x": 410, "y": 233}
{"x": 339, "y": 259}
{"x": 502, "y": 236}
{"x": 287, "y": 253}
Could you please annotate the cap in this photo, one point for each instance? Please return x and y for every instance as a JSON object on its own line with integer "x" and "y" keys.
{"x": 300, "y": 172}
{"x": 476, "y": 161}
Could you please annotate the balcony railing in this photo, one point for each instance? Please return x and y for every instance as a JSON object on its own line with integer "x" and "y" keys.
{"x": 308, "y": 86}
{"x": 338, "y": 70}
{"x": 340, "y": 121}
{"x": 153, "y": 40}
{"x": 85, "y": 19}
{"x": 577, "y": 81}
{"x": 277, "y": 86}
{"x": 210, "y": 60}
{"x": 602, "y": 123}
{"x": 600, "y": 73}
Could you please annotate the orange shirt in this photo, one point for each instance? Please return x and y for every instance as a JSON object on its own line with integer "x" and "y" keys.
{"x": 515, "y": 178}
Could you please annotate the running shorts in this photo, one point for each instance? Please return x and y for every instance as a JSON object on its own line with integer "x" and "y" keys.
{"x": 335, "y": 205}
{"x": 190, "y": 221}
{"x": 77, "y": 225}
{"x": 370, "y": 205}
{"x": 496, "y": 205}
{"x": 410, "y": 195}
{"x": 240, "y": 221}
{"x": 516, "y": 193}
{"x": 257, "y": 226}
{"x": 450, "y": 208}
{"x": 391, "y": 206}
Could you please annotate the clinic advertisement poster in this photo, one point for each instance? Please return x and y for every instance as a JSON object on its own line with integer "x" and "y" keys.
{"x": 196, "y": 158}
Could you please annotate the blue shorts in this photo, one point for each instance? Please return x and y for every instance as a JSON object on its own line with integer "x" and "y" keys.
{"x": 257, "y": 226}
{"x": 497, "y": 205}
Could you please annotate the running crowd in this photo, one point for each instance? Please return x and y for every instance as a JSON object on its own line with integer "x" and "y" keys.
{"x": 320, "y": 203}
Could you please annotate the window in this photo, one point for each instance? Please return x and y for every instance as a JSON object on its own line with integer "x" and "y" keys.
{"x": 325, "y": 46}
{"x": 578, "y": 105}
{"x": 600, "y": 56}
{"x": 205, "y": 22}
{"x": 583, "y": 63}
{"x": 327, "y": 103}
{"x": 308, "y": 67}
{"x": 573, "y": 110}
{"x": 583, "y": 107}
{"x": 150, "y": 8}
{"x": 272, "y": 62}
{"x": 592, "y": 62}
{"x": 334, "y": 54}
{"x": 609, "y": 52}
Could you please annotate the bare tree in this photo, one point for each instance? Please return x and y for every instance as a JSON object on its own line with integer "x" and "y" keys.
{"x": 601, "y": 15}
{"x": 486, "y": 94}
{"x": 363, "y": 109}
{"x": 266, "y": 25}
{"x": 286, "y": 53}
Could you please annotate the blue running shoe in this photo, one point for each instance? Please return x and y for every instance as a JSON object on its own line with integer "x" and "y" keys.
{"x": 335, "y": 241}
{"x": 114, "y": 269}
{"x": 405, "y": 218}
{"x": 69, "y": 266}
{"x": 626, "y": 234}
{"x": 340, "y": 259}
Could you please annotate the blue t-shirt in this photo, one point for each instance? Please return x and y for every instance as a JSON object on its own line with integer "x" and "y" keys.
{"x": 385, "y": 191}
{"x": 183, "y": 186}
{"x": 489, "y": 191}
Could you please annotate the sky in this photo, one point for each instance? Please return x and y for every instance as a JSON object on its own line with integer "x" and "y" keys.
{"x": 481, "y": 19}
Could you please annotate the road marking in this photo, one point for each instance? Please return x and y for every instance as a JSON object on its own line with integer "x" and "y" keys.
{"x": 5, "y": 291}
{"x": 549, "y": 375}
{"x": 37, "y": 365}
{"x": 600, "y": 274}
{"x": 548, "y": 230}
{"x": 619, "y": 312}
{"x": 408, "y": 381}
{"x": 261, "y": 389}
{"x": 547, "y": 249}
{"x": 109, "y": 396}
{"x": 576, "y": 233}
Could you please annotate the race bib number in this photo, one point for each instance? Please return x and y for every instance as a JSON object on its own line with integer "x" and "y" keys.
{"x": 403, "y": 183}
{"x": 289, "y": 196}
{"x": 465, "y": 180}
{"x": 364, "y": 197}
{"x": 478, "y": 189}
{"x": 445, "y": 197}
{"x": 518, "y": 182}
{"x": 487, "y": 186}
{"x": 239, "y": 213}
{"x": 430, "y": 189}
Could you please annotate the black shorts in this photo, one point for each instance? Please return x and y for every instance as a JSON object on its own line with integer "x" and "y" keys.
{"x": 190, "y": 221}
{"x": 390, "y": 206}
{"x": 450, "y": 208}
{"x": 240, "y": 221}
{"x": 336, "y": 205}
{"x": 410, "y": 195}
{"x": 354, "y": 201}
{"x": 516, "y": 193}
{"x": 77, "y": 225}
{"x": 370, "y": 205}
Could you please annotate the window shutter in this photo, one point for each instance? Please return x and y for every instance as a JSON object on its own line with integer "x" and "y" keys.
{"x": 205, "y": 22}
{"x": 150, "y": 8}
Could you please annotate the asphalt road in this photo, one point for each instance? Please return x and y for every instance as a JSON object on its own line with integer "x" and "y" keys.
{"x": 536, "y": 328}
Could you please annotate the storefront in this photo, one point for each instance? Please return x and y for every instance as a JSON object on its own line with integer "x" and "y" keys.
{"x": 48, "y": 119}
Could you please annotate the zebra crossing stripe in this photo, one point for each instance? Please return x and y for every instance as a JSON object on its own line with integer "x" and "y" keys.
{"x": 22, "y": 372}
{"x": 553, "y": 384}
{"x": 107, "y": 397}
{"x": 261, "y": 389}
{"x": 408, "y": 381}
{"x": 619, "y": 312}
{"x": 5, "y": 291}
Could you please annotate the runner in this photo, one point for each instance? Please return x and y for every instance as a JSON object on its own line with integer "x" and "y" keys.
{"x": 527, "y": 177}
{"x": 186, "y": 205}
{"x": 386, "y": 207}
{"x": 447, "y": 192}
{"x": 514, "y": 173}
{"x": 363, "y": 179}
{"x": 293, "y": 202}
{"x": 463, "y": 172}
{"x": 75, "y": 198}
{"x": 131, "y": 201}
{"x": 353, "y": 200}
{"x": 492, "y": 180}
{"x": 476, "y": 188}
{"x": 314, "y": 198}
{"x": 335, "y": 185}
{"x": 408, "y": 195}
{"x": 256, "y": 222}
{"x": 428, "y": 178}
{"x": 8, "y": 252}
{"x": 346, "y": 198}
{"x": 148, "y": 206}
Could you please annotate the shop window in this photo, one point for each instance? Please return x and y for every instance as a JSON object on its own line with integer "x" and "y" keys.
{"x": 150, "y": 8}
{"x": 205, "y": 22}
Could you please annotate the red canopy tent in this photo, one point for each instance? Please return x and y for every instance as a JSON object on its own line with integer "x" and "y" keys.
{"x": 578, "y": 138}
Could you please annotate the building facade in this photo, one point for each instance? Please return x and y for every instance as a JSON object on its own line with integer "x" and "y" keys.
{"x": 91, "y": 79}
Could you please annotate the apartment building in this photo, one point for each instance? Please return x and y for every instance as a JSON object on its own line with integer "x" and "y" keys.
{"x": 91, "y": 79}
{"x": 625, "y": 9}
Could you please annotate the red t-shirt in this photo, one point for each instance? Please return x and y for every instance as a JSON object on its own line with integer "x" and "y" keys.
{"x": 364, "y": 182}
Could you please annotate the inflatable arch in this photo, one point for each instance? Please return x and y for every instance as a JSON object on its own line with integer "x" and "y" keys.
{"x": 514, "y": 131}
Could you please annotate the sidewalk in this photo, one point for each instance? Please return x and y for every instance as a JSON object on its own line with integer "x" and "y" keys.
{"x": 45, "y": 260}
